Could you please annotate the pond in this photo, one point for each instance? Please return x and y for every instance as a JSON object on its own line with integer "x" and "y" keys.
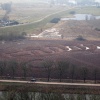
{"x": 82, "y": 17}
{"x": 45, "y": 96}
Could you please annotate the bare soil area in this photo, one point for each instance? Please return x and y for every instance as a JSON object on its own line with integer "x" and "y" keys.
{"x": 35, "y": 51}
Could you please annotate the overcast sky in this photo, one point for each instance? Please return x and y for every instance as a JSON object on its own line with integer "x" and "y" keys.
{"x": 2, "y": 1}
{"x": 97, "y": 0}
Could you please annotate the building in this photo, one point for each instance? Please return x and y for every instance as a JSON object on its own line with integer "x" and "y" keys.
{"x": 72, "y": 2}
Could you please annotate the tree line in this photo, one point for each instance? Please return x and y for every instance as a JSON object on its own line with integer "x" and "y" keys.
{"x": 60, "y": 69}
{"x": 67, "y": 70}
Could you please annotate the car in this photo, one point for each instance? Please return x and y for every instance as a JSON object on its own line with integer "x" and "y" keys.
{"x": 33, "y": 80}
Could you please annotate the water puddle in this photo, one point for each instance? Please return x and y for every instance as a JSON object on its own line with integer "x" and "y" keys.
{"x": 82, "y": 17}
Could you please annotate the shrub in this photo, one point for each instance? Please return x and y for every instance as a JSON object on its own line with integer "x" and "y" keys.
{"x": 55, "y": 20}
{"x": 24, "y": 33}
{"x": 97, "y": 29}
{"x": 80, "y": 38}
{"x": 72, "y": 12}
{"x": 11, "y": 36}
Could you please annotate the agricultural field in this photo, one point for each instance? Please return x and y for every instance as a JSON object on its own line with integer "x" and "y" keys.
{"x": 34, "y": 52}
{"x": 77, "y": 42}
{"x": 31, "y": 13}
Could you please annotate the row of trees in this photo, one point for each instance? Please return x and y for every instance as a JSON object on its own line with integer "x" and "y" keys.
{"x": 67, "y": 70}
{"x": 60, "y": 69}
{"x": 10, "y": 69}
{"x": 10, "y": 36}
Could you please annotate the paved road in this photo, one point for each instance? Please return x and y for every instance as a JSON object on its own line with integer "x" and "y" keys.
{"x": 52, "y": 83}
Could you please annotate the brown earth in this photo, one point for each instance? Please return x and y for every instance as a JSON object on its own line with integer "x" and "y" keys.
{"x": 35, "y": 51}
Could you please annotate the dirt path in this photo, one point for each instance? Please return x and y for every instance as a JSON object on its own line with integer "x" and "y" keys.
{"x": 52, "y": 83}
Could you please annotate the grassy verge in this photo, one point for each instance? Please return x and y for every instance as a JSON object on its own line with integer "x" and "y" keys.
{"x": 49, "y": 88}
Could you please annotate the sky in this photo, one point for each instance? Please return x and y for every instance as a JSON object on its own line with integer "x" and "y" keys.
{"x": 97, "y": 0}
{"x": 2, "y": 1}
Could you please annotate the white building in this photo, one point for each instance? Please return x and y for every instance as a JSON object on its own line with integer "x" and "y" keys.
{"x": 72, "y": 1}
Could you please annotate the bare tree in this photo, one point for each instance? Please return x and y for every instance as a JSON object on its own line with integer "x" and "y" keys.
{"x": 84, "y": 72}
{"x": 95, "y": 72}
{"x": 48, "y": 65}
{"x": 86, "y": 17}
{"x": 7, "y": 8}
{"x": 24, "y": 68}
{"x": 13, "y": 65}
{"x": 72, "y": 71}
{"x": 2, "y": 67}
{"x": 62, "y": 66}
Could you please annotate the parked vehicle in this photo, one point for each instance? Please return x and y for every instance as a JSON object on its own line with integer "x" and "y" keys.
{"x": 33, "y": 80}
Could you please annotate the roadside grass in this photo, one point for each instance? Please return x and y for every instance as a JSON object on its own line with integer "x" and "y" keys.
{"x": 49, "y": 88}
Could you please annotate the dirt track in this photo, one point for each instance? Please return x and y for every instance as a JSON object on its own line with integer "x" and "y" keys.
{"x": 52, "y": 83}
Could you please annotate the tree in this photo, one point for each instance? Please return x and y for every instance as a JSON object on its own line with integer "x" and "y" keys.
{"x": 48, "y": 65}
{"x": 6, "y": 6}
{"x": 2, "y": 67}
{"x": 86, "y": 17}
{"x": 84, "y": 72}
{"x": 72, "y": 72}
{"x": 95, "y": 73}
{"x": 13, "y": 67}
{"x": 62, "y": 66}
{"x": 24, "y": 68}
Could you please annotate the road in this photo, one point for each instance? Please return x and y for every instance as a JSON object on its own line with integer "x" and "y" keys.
{"x": 51, "y": 83}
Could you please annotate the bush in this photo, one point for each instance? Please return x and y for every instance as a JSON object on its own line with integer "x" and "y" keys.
{"x": 72, "y": 12}
{"x": 11, "y": 36}
{"x": 97, "y": 29}
{"x": 55, "y": 20}
{"x": 24, "y": 33}
{"x": 80, "y": 38}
